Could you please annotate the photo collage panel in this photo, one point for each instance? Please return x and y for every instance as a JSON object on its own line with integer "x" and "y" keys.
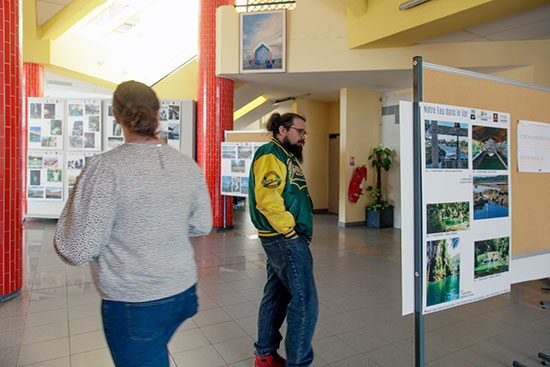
{"x": 466, "y": 195}
{"x": 113, "y": 131}
{"x": 45, "y": 124}
{"x": 236, "y": 161}
{"x": 84, "y": 125}
{"x": 75, "y": 164}
{"x": 44, "y": 176}
{"x": 169, "y": 129}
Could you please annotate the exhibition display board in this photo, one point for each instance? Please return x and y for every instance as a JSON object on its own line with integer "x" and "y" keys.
{"x": 64, "y": 133}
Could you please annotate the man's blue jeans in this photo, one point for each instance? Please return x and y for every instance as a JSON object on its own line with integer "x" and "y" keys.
{"x": 290, "y": 291}
{"x": 138, "y": 332}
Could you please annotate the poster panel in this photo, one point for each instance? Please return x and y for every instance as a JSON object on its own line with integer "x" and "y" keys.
{"x": 466, "y": 205}
{"x": 533, "y": 146}
{"x": 84, "y": 125}
{"x": 75, "y": 164}
{"x": 112, "y": 130}
{"x": 44, "y": 176}
{"x": 170, "y": 123}
{"x": 45, "y": 124}
{"x": 235, "y": 167}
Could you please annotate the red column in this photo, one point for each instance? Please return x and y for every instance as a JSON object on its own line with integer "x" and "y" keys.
{"x": 33, "y": 84}
{"x": 214, "y": 109}
{"x": 11, "y": 154}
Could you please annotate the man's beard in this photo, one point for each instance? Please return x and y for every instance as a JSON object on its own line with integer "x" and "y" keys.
{"x": 295, "y": 149}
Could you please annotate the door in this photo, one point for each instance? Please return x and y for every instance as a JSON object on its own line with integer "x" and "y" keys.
{"x": 333, "y": 173}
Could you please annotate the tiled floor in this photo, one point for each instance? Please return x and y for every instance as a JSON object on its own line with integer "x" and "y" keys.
{"x": 55, "y": 322}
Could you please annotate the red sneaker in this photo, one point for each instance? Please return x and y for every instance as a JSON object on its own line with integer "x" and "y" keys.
{"x": 274, "y": 360}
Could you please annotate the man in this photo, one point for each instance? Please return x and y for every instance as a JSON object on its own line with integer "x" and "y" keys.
{"x": 282, "y": 211}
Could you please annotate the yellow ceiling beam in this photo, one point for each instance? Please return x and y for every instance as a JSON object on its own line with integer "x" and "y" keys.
{"x": 67, "y": 17}
{"x": 34, "y": 50}
{"x": 357, "y": 7}
{"x": 384, "y": 25}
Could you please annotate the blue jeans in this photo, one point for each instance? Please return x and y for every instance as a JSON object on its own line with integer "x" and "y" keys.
{"x": 138, "y": 332}
{"x": 289, "y": 292}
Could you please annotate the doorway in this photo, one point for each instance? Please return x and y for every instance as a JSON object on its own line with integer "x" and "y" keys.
{"x": 333, "y": 173}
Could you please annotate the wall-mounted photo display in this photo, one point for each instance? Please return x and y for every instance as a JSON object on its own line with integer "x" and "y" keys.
{"x": 235, "y": 166}
{"x": 263, "y": 42}
{"x": 84, "y": 125}
{"x": 466, "y": 204}
{"x": 75, "y": 164}
{"x": 44, "y": 175}
{"x": 170, "y": 123}
{"x": 45, "y": 124}
{"x": 112, "y": 130}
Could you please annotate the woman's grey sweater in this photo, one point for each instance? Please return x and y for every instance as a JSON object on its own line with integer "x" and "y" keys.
{"x": 131, "y": 214}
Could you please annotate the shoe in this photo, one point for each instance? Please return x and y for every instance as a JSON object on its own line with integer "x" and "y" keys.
{"x": 274, "y": 360}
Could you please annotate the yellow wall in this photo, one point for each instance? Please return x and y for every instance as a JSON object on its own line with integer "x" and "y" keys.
{"x": 315, "y": 165}
{"x": 360, "y": 118}
{"x": 182, "y": 84}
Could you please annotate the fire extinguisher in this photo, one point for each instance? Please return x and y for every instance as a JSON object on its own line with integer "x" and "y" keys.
{"x": 357, "y": 183}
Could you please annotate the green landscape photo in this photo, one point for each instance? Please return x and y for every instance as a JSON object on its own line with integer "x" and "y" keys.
{"x": 443, "y": 271}
{"x": 491, "y": 257}
{"x": 448, "y": 217}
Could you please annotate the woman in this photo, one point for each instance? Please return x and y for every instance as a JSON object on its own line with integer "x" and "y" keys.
{"x": 131, "y": 214}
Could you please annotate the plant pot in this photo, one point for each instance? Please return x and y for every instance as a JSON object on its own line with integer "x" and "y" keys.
{"x": 380, "y": 218}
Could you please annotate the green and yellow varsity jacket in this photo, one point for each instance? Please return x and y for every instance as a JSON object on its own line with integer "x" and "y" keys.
{"x": 278, "y": 196}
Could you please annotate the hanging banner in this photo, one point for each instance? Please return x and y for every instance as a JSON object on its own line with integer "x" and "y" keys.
{"x": 466, "y": 205}
{"x": 533, "y": 146}
{"x": 235, "y": 166}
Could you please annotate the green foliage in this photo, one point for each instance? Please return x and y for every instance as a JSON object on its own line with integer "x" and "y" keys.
{"x": 380, "y": 158}
{"x": 447, "y": 217}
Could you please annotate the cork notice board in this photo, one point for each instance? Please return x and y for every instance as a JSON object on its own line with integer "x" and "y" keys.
{"x": 530, "y": 191}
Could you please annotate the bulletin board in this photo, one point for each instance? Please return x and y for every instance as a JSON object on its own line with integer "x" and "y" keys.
{"x": 530, "y": 202}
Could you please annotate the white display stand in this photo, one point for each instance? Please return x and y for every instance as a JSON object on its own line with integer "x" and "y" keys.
{"x": 64, "y": 133}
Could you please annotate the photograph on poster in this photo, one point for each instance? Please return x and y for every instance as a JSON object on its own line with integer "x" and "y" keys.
{"x": 53, "y": 193}
{"x": 238, "y": 165}
{"x": 236, "y": 184}
{"x": 489, "y": 148}
{"x": 36, "y": 110}
{"x": 35, "y": 177}
{"x": 54, "y": 175}
{"x": 49, "y": 110}
{"x": 34, "y": 161}
{"x": 173, "y": 131}
{"x": 173, "y": 112}
{"x": 226, "y": 183}
{"x": 245, "y": 152}
{"x": 110, "y": 111}
{"x": 49, "y": 142}
{"x": 75, "y": 110}
{"x": 75, "y": 142}
{"x": 51, "y": 161}
{"x": 93, "y": 123}
{"x": 113, "y": 142}
{"x": 244, "y": 185}
{"x": 229, "y": 151}
{"x": 262, "y": 39}
{"x": 163, "y": 136}
{"x": 56, "y": 127}
{"x": 490, "y": 196}
{"x": 163, "y": 115}
{"x": 77, "y": 163}
{"x": 117, "y": 129}
{"x": 443, "y": 271}
{"x": 89, "y": 140}
{"x": 448, "y": 217}
{"x": 35, "y": 134}
{"x": 35, "y": 192}
{"x": 78, "y": 128}
{"x": 92, "y": 109}
{"x": 71, "y": 180}
{"x": 446, "y": 144}
{"x": 491, "y": 257}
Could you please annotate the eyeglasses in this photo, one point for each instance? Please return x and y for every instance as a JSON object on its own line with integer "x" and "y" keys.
{"x": 302, "y": 132}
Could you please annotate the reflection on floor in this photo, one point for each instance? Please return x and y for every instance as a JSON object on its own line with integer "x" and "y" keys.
{"x": 55, "y": 322}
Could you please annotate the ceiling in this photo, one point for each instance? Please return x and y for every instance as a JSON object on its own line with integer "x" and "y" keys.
{"x": 530, "y": 25}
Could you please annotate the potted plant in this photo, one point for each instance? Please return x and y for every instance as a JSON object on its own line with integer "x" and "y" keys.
{"x": 380, "y": 213}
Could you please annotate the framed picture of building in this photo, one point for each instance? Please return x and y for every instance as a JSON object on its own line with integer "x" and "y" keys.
{"x": 263, "y": 42}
